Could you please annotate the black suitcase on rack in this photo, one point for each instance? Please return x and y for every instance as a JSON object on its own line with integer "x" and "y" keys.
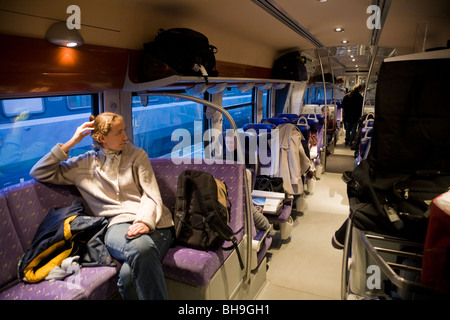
{"x": 408, "y": 164}
{"x": 290, "y": 66}
{"x": 186, "y": 51}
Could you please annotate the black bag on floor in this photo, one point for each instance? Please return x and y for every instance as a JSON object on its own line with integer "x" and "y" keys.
{"x": 290, "y": 66}
{"x": 186, "y": 51}
{"x": 393, "y": 204}
{"x": 202, "y": 212}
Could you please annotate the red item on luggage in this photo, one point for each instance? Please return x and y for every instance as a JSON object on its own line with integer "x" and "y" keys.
{"x": 436, "y": 255}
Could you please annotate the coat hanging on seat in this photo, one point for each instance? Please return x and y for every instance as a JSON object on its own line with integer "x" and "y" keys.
{"x": 293, "y": 161}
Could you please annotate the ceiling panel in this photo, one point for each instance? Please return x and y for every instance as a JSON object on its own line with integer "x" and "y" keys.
{"x": 403, "y": 18}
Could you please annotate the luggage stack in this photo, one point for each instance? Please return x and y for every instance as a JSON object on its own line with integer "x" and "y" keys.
{"x": 390, "y": 192}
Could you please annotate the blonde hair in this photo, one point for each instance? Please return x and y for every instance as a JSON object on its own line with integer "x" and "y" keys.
{"x": 358, "y": 87}
{"x": 102, "y": 125}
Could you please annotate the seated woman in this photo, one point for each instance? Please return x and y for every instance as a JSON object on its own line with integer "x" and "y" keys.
{"x": 117, "y": 182}
{"x": 230, "y": 153}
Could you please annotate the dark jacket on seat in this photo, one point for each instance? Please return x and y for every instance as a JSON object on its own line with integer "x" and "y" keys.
{"x": 65, "y": 232}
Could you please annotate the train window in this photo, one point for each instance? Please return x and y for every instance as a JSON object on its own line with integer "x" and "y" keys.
{"x": 306, "y": 96}
{"x": 79, "y": 102}
{"x": 15, "y": 107}
{"x": 168, "y": 126}
{"x": 266, "y": 104}
{"x": 239, "y": 105}
{"x": 319, "y": 95}
{"x": 30, "y": 127}
{"x": 314, "y": 94}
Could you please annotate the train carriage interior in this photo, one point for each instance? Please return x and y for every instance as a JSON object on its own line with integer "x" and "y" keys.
{"x": 274, "y": 79}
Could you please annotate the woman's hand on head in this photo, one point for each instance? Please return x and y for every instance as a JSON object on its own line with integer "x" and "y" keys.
{"x": 81, "y": 132}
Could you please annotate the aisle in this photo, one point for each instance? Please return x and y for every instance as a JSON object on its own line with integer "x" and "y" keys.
{"x": 342, "y": 159}
{"x": 307, "y": 267}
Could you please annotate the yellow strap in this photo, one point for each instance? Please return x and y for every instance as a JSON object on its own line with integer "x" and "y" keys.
{"x": 67, "y": 231}
{"x": 33, "y": 276}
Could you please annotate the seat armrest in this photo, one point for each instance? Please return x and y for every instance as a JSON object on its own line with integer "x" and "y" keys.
{"x": 259, "y": 238}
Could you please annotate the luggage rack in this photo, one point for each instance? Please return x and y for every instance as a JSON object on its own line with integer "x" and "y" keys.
{"x": 377, "y": 266}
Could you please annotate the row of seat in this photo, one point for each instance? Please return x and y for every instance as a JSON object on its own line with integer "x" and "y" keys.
{"x": 189, "y": 273}
{"x": 365, "y": 136}
{"x": 307, "y": 123}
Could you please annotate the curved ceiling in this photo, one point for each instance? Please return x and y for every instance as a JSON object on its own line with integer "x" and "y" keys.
{"x": 242, "y": 30}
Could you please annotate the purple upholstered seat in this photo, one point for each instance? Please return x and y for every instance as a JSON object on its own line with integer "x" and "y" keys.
{"x": 10, "y": 247}
{"x": 22, "y": 209}
{"x": 192, "y": 266}
{"x": 24, "y": 206}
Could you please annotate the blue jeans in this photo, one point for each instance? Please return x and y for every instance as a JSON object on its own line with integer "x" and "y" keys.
{"x": 141, "y": 275}
{"x": 350, "y": 131}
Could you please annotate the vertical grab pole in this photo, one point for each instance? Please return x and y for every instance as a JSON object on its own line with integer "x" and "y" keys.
{"x": 345, "y": 257}
{"x": 324, "y": 135}
{"x": 368, "y": 79}
{"x": 248, "y": 221}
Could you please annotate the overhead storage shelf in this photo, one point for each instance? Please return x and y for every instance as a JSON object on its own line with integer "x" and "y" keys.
{"x": 164, "y": 78}
{"x": 198, "y": 84}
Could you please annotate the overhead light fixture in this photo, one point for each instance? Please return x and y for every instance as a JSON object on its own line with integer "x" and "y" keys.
{"x": 322, "y": 0}
{"x": 338, "y": 29}
{"x": 344, "y": 41}
{"x": 60, "y": 35}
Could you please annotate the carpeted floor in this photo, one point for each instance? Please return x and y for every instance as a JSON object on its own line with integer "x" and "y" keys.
{"x": 342, "y": 157}
{"x": 338, "y": 163}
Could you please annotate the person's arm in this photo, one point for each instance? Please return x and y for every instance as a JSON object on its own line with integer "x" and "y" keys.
{"x": 151, "y": 207}
{"x": 49, "y": 168}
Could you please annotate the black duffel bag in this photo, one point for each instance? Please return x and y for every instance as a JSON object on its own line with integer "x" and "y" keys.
{"x": 393, "y": 204}
{"x": 266, "y": 183}
{"x": 186, "y": 51}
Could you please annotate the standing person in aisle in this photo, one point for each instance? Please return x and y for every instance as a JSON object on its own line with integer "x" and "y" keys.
{"x": 352, "y": 106}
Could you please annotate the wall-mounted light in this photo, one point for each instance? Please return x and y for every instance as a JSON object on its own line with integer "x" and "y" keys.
{"x": 60, "y": 35}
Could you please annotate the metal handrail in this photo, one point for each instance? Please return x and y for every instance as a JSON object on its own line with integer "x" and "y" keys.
{"x": 325, "y": 124}
{"x": 248, "y": 228}
{"x": 386, "y": 267}
{"x": 368, "y": 80}
{"x": 345, "y": 256}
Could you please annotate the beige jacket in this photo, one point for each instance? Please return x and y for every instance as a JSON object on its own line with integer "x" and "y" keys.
{"x": 293, "y": 160}
{"x": 136, "y": 199}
